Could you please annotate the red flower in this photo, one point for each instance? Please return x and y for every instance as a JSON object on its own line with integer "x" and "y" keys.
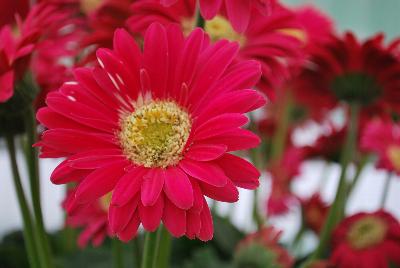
{"x": 348, "y": 70}
{"x": 367, "y": 240}
{"x": 273, "y": 40}
{"x": 11, "y": 9}
{"x": 92, "y": 217}
{"x": 268, "y": 239}
{"x": 314, "y": 211}
{"x": 383, "y": 138}
{"x": 145, "y": 124}
{"x": 238, "y": 11}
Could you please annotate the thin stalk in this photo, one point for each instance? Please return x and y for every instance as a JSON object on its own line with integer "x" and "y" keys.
{"x": 386, "y": 189}
{"x": 34, "y": 180}
{"x": 150, "y": 245}
{"x": 336, "y": 212}
{"x": 279, "y": 138}
{"x": 163, "y": 252}
{"x": 23, "y": 205}
{"x": 357, "y": 176}
{"x": 200, "y": 22}
{"x": 136, "y": 250}
{"x": 118, "y": 253}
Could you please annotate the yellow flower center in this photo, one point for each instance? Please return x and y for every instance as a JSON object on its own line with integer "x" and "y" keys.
{"x": 88, "y": 6}
{"x": 296, "y": 33}
{"x": 105, "y": 201}
{"x": 394, "y": 156}
{"x": 155, "y": 134}
{"x": 366, "y": 232}
{"x": 220, "y": 28}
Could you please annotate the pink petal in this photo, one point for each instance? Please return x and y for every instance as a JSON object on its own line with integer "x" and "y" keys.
{"x": 174, "y": 219}
{"x": 209, "y": 8}
{"x": 151, "y": 215}
{"x": 241, "y": 172}
{"x": 119, "y": 217}
{"x": 6, "y": 86}
{"x": 152, "y": 185}
{"x": 193, "y": 224}
{"x": 63, "y": 174}
{"x": 205, "y": 152}
{"x": 198, "y": 196}
{"x": 238, "y": 139}
{"x": 130, "y": 230}
{"x": 178, "y": 188}
{"x": 239, "y": 13}
{"x": 228, "y": 193}
{"x": 128, "y": 186}
{"x": 100, "y": 182}
{"x": 207, "y": 229}
{"x": 204, "y": 171}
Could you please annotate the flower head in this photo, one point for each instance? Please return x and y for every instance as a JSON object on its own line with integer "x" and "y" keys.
{"x": 367, "y": 239}
{"x": 155, "y": 128}
{"x": 315, "y": 211}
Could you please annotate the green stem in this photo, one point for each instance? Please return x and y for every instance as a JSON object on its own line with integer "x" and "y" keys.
{"x": 150, "y": 246}
{"x": 118, "y": 253}
{"x": 336, "y": 212}
{"x": 279, "y": 138}
{"x": 162, "y": 255}
{"x": 136, "y": 251}
{"x": 23, "y": 204}
{"x": 386, "y": 189}
{"x": 31, "y": 155}
{"x": 357, "y": 176}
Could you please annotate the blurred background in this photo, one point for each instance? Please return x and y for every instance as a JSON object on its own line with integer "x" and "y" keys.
{"x": 364, "y": 17}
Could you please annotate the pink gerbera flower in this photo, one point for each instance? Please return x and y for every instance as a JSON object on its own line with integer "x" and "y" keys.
{"x": 383, "y": 139}
{"x": 155, "y": 128}
{"x": 238, "y": 11}
{"x": 92, "y": 217}
{"x": 275, "y": 41}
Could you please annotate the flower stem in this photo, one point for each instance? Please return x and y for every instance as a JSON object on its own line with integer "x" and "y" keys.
{"x": 118, "y": 253}
{"x": 279, "y": 138}
{"x": 136, "y": 252}
{"x": 386, "y": 189}
{"x": 162, "y": 255}
{"x": 150, "y": 246}
{"x": 336, "y": 212}
{"x": 200, "y": 22}
{"x": 31, "y": 156}
{"x": 23, "y": 204}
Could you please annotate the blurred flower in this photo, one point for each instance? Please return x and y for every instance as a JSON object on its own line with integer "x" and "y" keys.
{"x": 383, "y": 138}
{"x": 345, "y": 69}
{"x": 275, "y": 41}
{"x": 238, "y": 12}
{"x": 282, "y": 174}
{"x": 92, "y": 217}
{"x": 145, "y": 124}
{"x": 261, "y": 249}
{"x": 315, "y": 211}
{"x": 367, "y": 240}
{"x": 12, "y": 9}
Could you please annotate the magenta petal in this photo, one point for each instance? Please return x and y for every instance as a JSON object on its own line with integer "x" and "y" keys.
{"x": 228, "y": 193}
{"x": 174, "y": 219}
{"x": 119, "y": 217}
{"x": 205, "y": 152}
{"x": 6, "y": 86}
{"x": 152, "y": 185}
{"x": 130, "y": 230}
{"x": 205, "y": 171}
{"x": 193, "y": 224}
{"x": 209, "y": 8}
{"x": 151, "y": 215}
{"x": 241, "y": 172}
{"x": 128, "y": 186}
{"x": 100, "y": 182}
{"x": 63, "y": 174}
{"x": 239, "y": 13}
{"x": 198, "y": 196}
{"x": 178, "y": 188}
{"x": 207, "y": 229}
{"x": 238, "y": 139}
{"x": 220, "y": 124}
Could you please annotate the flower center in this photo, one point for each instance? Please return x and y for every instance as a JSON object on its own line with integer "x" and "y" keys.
{"x": 88, "y": 6}
{"x": 155, "y": 134}
{"x": 366, "y": 232}
{"x": 356, "y": 87}
{"x": 105, "y": 201}
{"x": 394, "y": 156}
{"x": 220, "y": 28}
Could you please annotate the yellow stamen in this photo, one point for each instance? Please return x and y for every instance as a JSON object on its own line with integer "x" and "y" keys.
{"x": 220, "y": 28}
{"x": 88, "y": 6}
{"x": 301, "y": 35}
{"x": 155, "y": 134}
{"x": 105, "y": 201}
{"x": 367, "y": 232}
{"x": 393, "y": 153}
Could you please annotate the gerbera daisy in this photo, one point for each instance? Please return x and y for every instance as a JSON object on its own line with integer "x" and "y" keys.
{"x": 11, "y": 9}
{"x": 314, "y": 211}
{"x": 238, "y": 12}
{"x": 262, "y": 249}
{"x": 273, "y": 40}
{"x": 156, "y": 128}
{"x": 383, "y": 139}
{"x": 92, "y": 217}
{"x": 367, "y": 240}
{"x": 347, "y": 70}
